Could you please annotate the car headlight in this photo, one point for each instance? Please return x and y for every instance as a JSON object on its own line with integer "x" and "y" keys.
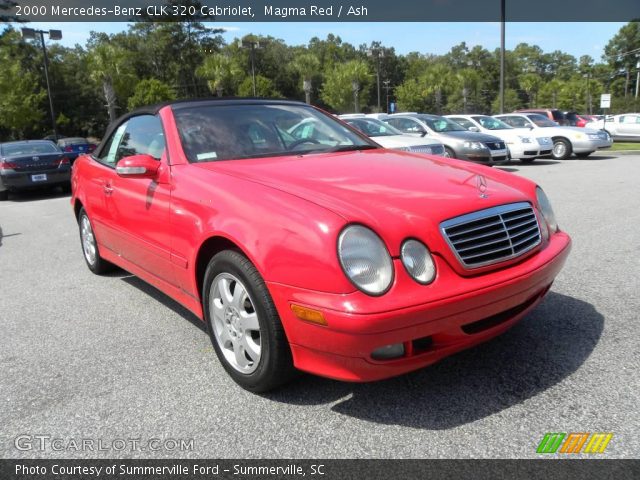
{"x": 546, "y": 210}
{"x": 474, "y": 145}
{"x": 526, "y": 139}
{"x": 404, "y": 149}
{"x": 417, "y": 259}
{"x": 365, "y": 259}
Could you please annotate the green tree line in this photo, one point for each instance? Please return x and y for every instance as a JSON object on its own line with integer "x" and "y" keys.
{"x": 151, "y": 62}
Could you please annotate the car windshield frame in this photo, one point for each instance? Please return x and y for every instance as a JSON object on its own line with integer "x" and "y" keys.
{"x": 503, "y": 126}
{"x": 237, "y": 131}
{"x": 452, "y": 126}
{"x": 28, "y": 148}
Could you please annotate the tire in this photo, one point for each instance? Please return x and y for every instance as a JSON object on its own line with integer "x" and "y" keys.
{"x": 561, "y": 149}
{"x": 90, "y": 249}
{"x": 527, "y": 160}
{"x": 244, "y": 326}
{"x": 583, "y": 155}
{"x": 449, "y": 153}
{"x": 4, "y": 195}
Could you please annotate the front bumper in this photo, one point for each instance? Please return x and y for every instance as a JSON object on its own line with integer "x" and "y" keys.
{"x": 13, "y": 180}
{"x": 484, "y": 156}
{"x": 584, "y": 146}
{"x": 524, "y": 150}
{"x": 453, "y": 314}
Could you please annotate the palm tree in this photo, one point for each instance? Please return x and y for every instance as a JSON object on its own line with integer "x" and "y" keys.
{"x": 107, "y": 64}
{"x": 220, "y": 71}
{"x": 306, "y": 65}
{"x": 468, "y": 79}
{"x": 435, "y": 80}
{"x": 530, "y": 83}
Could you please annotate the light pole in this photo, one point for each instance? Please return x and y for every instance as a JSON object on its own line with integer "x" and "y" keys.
{"x": 30, "y": 33}
{"x": 589, "y": 102}
{"x": 387, "y": 87}
{"x": 638, "y": 77}
{"x": 355, "y": 86}
{"x": 377, "y": 53}
{"x": 252, "y": 46}
{"x": 502, "y": 35}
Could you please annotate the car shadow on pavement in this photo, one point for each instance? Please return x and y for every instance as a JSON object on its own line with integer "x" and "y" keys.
{"x": 548, "y": 345}
{"x": 162, "y": 298}
{"x": 39, "y": 194}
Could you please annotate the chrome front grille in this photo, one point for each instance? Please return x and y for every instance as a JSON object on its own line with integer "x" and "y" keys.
{"x": 495, "y": 145}
{"x": 493, "y": 235}
{"x": 431, "y": 149}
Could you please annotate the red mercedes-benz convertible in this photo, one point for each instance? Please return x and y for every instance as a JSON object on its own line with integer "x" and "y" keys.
{"x": 304, "y": 245}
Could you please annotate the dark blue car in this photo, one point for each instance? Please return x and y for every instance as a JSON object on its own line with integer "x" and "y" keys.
{"x": 74, "y": 146}
{"x": 32, "y": 163}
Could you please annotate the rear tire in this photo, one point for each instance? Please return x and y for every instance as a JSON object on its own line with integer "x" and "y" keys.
{"x": 90, "y": 249}
{"x": 243, "y": 323}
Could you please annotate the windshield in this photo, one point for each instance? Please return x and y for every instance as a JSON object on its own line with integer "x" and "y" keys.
{"x": 227, "y": 132}
{"x": 541, "y": 120}
{"x": 491, "y": 123}
{"x": 441, "y": 124}
{"x": 16, "y": 149}
{"x": 372, "y": 127}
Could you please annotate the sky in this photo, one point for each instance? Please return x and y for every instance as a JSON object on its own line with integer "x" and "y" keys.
{"x": 436, "y": 38}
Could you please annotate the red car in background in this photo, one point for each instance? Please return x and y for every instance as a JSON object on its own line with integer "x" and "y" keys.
{"x": 575, "y": 119}
{"x": 321, "y": 252}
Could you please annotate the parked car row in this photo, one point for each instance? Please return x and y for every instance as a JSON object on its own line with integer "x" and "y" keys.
{"x": 524, "y": 136}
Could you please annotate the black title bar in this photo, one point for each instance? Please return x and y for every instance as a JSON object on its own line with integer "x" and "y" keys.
{"x": 321, "y": 10}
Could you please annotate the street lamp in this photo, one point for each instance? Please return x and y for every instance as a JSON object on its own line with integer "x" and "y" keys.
{"x": 251, "y": 46}
{"x": 377, "y": 53}
{"x": 30, "y": 34}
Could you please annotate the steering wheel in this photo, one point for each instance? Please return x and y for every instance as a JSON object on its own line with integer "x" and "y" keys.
{"x": 303, "y": 141}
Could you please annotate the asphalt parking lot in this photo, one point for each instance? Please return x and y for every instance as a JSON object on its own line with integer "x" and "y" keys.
{"x": 104, "y": 358}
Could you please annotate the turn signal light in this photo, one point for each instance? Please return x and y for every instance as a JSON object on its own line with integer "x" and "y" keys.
{"x": 308, "y": 314}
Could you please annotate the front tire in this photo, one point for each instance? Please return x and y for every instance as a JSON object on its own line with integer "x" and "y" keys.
{"x": 561, "y": 149}
{"x": 90, "y": 249}
{"x": 244, "y": 326}
{"x": 449, "y": 153}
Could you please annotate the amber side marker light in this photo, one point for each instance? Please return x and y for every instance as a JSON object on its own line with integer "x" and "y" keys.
{"x": 308, "y": 315}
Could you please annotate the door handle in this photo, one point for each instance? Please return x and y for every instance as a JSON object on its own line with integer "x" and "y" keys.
{"x": 108, "y": 189}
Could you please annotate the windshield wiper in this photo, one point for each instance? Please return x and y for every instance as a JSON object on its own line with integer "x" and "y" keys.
{"x": 350, "y": 148}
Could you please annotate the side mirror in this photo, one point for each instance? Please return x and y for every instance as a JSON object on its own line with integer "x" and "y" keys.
{"x": 138, "y": 166}
{"x": 474, "y": 129}
{"x": 422, "y": 132}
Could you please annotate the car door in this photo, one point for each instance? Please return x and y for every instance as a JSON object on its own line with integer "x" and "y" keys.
{"x": 97, "y": 178}
{"x": 139, "y": 207}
